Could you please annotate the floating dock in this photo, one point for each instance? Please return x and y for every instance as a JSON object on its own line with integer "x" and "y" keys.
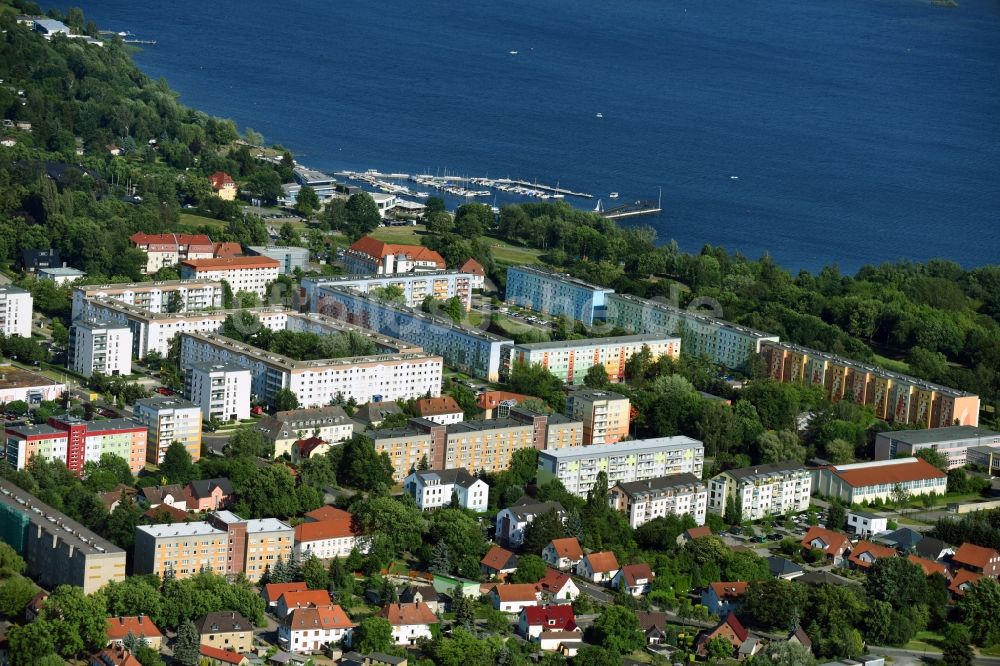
{"x": 635, "y": 209}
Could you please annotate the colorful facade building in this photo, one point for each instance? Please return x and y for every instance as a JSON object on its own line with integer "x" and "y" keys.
{"x": 169, "y": 420}
{"x": 569, "y": 360}
{"x": 893, "y": 397}
{"x": 75, "y": 441}
{"x": 605, "y": 415}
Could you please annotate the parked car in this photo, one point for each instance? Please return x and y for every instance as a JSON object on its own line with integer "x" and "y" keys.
{"x": 163, "y": 390}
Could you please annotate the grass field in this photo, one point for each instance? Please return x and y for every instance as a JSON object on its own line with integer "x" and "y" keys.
{"x": 892, "y": 364}
{"x": 926, "y": 641}
{"x": 503, "y": 251}
{"x": 193, "y": 221}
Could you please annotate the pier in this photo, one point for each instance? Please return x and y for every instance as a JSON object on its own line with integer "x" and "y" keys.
{"x": 634, "y": 209}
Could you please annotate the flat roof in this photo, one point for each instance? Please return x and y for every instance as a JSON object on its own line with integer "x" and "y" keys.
{"x": 262, "y": 249}
{"x": 694, "y": 315}
{"x": 595, "y": 394}
{"x": 267, "y": 525}
{"x": 11, "y": 289}
{"x": 166, "y": 402}
{"x": 634, "y": 488}
{"x": 11, "y": 377}
{"x": 147, "y": 286}
{"x": 765, "y": 470}
{"x": 873, "y": 369}
{"x": 54, "y": 522}
{"x": 101, "y": 323}
{"x": 209, "y": 366}
{"x": 62, "y": 271}
{"x": 561, "y": 277}
{"x": 597, "y": 342}
{"x": 932, "y": 435}
{"x": 199, "y": 528}
{"x": 323, "y": 280}
{"x": 621, "y": 448}
{"x": 312, "y": 176}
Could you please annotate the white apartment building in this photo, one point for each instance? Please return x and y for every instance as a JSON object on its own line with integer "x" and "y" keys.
{"x": 219, "y": 390}
{"x": 433, "y": 488}
{"x": 100, "y": 347}
{"x": 250, "y": 274}
{"x": 442, "y": 285}
{"x": 763, "y": 490}
{"x": 577, "y": 467}
{"x": 394, "y": 376}
{"x": 15, "y": 311}
{"x": 675, "y": 495}
{"x": 169, "y": 420}
{"x": 156, "y": 297}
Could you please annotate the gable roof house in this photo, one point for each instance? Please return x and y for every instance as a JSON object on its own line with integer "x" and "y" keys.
{"x": 140, "y": 626}
{"x": 512, "y": 598}
{"x": 226, "y": 630}
{"x": 930, "y": 566}
{"x": 963, "y": 580}
{"x": 985, "y": 561}
{"x": 634, "y": 579}
{"x": 289, "y": 601}
{"x": 421, "y": 594}
{"x": 410, "y": 622}
{"x": 864, "y": 554}
{"x": 724, "y": 598}
{"x": 599, "y": 567}
{"x": 730, "y": 629}
{"x": 563, "y": 554}
{"x": 208, "y": 494}
{"x": 313, "y": 629}
{"x": 833, "y": 544}
{"x": 498, "y": 562}
{"x": 558, "y": 586}
{"x": 693, "y": 533}
{"x": 273, "y": 591}
{"x": 535, "y": 620}
{"x": 512, "y": 521}
{"x": 654, "y": 626}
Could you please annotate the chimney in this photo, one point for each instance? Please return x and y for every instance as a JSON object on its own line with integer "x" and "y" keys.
{"x": 140, "y": 618}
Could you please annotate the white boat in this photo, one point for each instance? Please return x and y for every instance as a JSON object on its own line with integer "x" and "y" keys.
{"x": 513, "y": 52}
{"x": 613, "y": 195}
{"x": 600, "y": 115}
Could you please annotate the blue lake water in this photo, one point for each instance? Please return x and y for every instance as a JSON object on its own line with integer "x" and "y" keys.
{"x": 860, "y": 131}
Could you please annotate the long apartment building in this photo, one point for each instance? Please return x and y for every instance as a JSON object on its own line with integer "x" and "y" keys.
{"x": 474, "y": 445}
{"x": 725, "y": 343}
{"x": 169, "y": 420}
{"x": 15, "y": 311}
{"x": 465, "y": 348}
{"x": 440, "y": 285}
{"x": 224, "y": 544}
{"x": 156, "y": 297}
{"x": 100, "y": 346}
{"x": 605, "y": 415}
{"x": 569, "y": 360}
{"x": 75, "y": 441}
{"x": 555, "y": 294}
{"x": 763, "y": 490}
{"x": 221, "y": 391}
{"x": 56, "y": 549}
{"x": 674, "y": 495}
{"x": 167, "y": 250}
{"x": 408, "y": 373}
{"x": 249, "y": 274}
{"x": 637, "y": 460}
{"x": 892, "y": 396}
{"x": 953, "y": 442}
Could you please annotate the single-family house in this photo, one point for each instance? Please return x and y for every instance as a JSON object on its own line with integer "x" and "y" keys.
{"x": 933, "y": 549}
{"x": 722, "y": 599}
{"x": 865, "y": 523}
{"x": 422, "y": 594}
{"x": 111, "y": 498}
{"x": 930, "y": 566}
{"x": 304, "y": 449}
{"x": 599, "y": 567}
{"x": 864, "y": 554}
{"x": 533, "y": 620}
{"x": 985, "y": 561}
{"x": 498, "y": 562}
{"x": 226, "y": 630}
{"x": 214, "y": 656}
{"x": 563, "y": 554}
{"x": 512, "y": 521}
{"x": 963, "y": 580}
{"x": 140, "y": 626}
{"x": 558, "y": 586}
{"x": 115, "y": 655}
{"x": 409, "y": 622}
{"x": 634, "y": 579}
{"x": 515, "y": 597}
{"x": 693, "y": 533}
{"x": 730, "y": 629}
{"x": 801, "y": 637}
{"x": 781, "y": 567}
{"x": 224, "y": 185}
{"x": 273, "y": 591}
{"x": 289, "y": 601}
{"x": 313, "y": 629}
{"x": 172, "y": 495}
{"x": 208, "y": 494}
{"x": 832, "y": 543}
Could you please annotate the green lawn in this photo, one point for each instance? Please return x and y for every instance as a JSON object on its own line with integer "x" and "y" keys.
{"x": 401, "y": 235}
{"x": 503, "y": 251}
{"x": 926, "y": 641}
{"x": 993, "y": 651}
{"x": 192, "y": 221}
{"x": 892, "y": 364}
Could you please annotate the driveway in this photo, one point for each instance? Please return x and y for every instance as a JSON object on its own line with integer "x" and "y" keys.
{"x": 595, "y": 592}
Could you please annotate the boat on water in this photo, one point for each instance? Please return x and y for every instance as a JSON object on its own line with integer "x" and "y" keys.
{"x": 513, "y": 52}
{"x": 613, "y": 195}
{"x": 600, "y": 115}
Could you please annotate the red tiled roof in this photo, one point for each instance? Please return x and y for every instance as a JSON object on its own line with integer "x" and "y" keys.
{"x": 328, "y": 512}
{"x": 698, "y": 532}
{"x": 220, "y": 179}
{"x": 492, "y": 399}
{"x": 119, "y": 627}
{"x": 332, "y": 617}
{"x": 963, "y": 577}
{"x": 568, "y": 548}
{"x": 517, "y": 592}
{"x": 889, "y": 474}
{"x": 307, "y": 446}
{"x": 498, "y": 558}
{"x": 307, "y": 598}
{"x": 971, "y": 555}
{"x": 219, "y": 654}
{"x": 331, "y": 528}
{"x": 170, "y": 239}
{"x": 636, "y": 572}
{"x": 737, "y": 626}
{"x": 408, "y": 614}
{"x": 603, "y": 561}
{"x": 878, "y": 552}
{"x": 379, "y": 249}
{"x": 553, "y": 580}
{"x": 473, "y": 267}
{"x": 222, "y": 263}
{"x": 930, "y": 566}
{"x": 227, "y": 249}
{"x": 273, "y": 591}
{"x": 444, "y": 404}
{"x": 558, "y": 617}
{"x": 176, "y": 515}
{"x": 835, "y": 541}
{"x": 733, "y": 590}
{"x": 116, "y": 656}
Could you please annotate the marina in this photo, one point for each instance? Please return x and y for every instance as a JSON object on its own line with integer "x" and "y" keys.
{"x": 637, "y": 208}
{"x": 456, "y": 185}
